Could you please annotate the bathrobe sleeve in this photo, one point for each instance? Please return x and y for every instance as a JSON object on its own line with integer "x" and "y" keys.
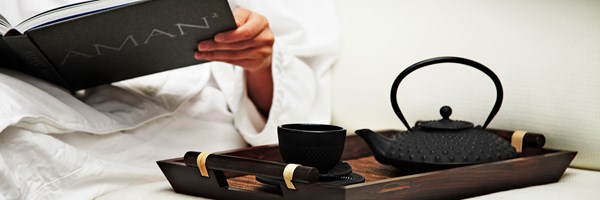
{"x": 307, "y": 43}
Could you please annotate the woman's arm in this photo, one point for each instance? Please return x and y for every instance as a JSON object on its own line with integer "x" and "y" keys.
{"x": 250, "y": 46}
{"x": 307, "y": 42}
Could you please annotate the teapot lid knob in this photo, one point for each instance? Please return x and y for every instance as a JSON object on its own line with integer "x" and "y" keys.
{"x": 446, "y": 123}
{"x": 445, "y": 111}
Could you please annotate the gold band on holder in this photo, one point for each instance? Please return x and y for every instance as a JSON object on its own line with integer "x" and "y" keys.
{"x": 201, "y": 161}
{"x": 288, "y": 175}
{"x": 517, "y": 140}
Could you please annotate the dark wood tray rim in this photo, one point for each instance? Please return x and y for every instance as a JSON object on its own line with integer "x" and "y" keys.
{"x": 536, "y": 166}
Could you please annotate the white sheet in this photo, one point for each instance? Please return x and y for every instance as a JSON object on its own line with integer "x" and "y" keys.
{"x": 574, "y": 184}
{"x": 63, "y": 148}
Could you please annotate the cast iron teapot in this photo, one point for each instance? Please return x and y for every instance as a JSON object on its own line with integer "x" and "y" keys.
{"x": 442, "y": 143}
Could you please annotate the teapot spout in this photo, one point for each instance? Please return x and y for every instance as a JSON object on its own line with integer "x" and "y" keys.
{"x": 378, "y": 144}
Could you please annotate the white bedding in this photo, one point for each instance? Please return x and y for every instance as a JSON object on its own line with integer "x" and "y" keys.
{"x": 574, "y": 184}
{"x": 55, "y": 146}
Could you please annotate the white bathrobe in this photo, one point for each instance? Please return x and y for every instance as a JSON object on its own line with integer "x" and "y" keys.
{"x": 54, "y": 145}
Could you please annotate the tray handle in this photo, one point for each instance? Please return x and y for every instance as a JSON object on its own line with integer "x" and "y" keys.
{"x": 269, "y": 169}
{"x": 534, "y": 140}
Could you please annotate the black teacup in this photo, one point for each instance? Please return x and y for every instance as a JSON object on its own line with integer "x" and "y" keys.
{"x": 316, "y": 145}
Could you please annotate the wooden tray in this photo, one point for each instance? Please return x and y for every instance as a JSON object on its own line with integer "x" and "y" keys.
{"x": 233, "y": 177}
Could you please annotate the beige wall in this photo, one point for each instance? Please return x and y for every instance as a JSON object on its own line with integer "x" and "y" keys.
{"x": 547, "y": 54}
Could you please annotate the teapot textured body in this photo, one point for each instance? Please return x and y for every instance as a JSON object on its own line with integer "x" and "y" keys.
{"x": 442, "y": 143}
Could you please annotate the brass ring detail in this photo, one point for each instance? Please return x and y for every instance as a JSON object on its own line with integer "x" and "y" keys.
{"x": 517, "y": 140}
{"x": 201, "y": 161}
{"x": 288, "y": 175}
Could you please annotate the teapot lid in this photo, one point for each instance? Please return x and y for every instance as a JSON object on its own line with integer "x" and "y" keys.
{"x": 446, "y": 123}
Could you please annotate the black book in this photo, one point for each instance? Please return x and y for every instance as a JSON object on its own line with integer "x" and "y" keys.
{"x": 93, "y": 43}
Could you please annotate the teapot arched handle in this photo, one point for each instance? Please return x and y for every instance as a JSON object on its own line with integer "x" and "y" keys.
{"x": 437, "y": 60}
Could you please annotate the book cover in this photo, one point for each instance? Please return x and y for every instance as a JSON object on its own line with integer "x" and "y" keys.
{"x": 121, "y": 43}
{"x": 8, "y": 59}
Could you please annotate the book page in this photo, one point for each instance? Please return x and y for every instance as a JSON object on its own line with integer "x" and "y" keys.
{"x": 4, "y": 25}
{"x": 69, "y": 12}
{"x": 57, "y": 9}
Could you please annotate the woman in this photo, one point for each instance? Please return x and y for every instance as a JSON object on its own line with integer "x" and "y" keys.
{"x": 273, "y": 69}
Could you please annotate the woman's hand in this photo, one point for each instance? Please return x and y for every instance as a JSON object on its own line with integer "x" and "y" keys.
{"x": 250, "y": 46}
